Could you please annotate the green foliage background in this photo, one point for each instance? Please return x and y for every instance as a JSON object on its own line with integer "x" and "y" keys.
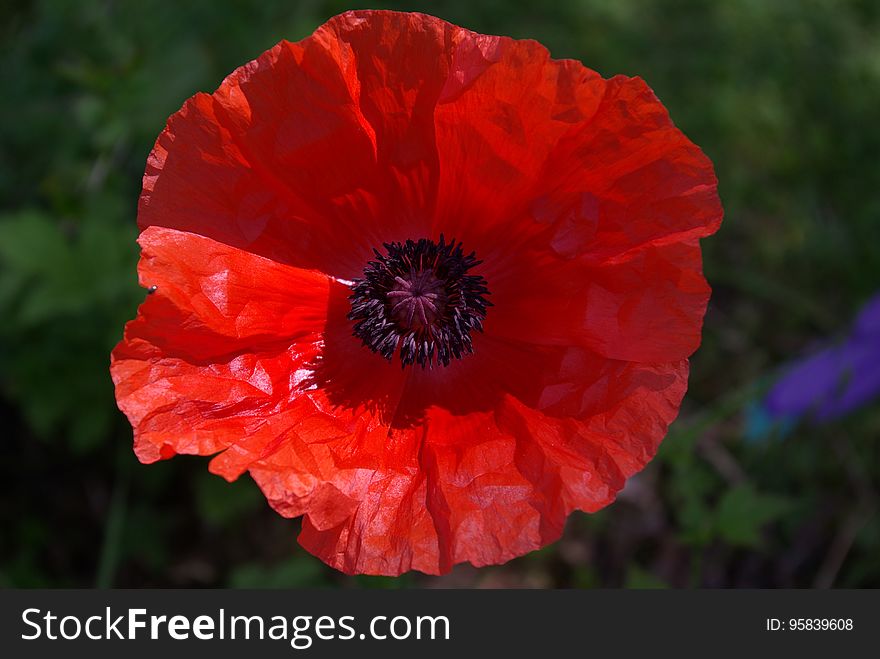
{"x": 783, "y": 96}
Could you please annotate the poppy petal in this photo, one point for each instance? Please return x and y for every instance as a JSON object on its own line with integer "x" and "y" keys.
{"x": 506, "y": 106}
{"x": 260, "y": 165}
{"x": 647, "y": 306}
{"x": 481, "y": 486}
{"x": 198, "y": 390}
{"x": 627, "y": 179}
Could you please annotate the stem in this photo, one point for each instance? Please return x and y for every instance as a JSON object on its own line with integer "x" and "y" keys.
{"x": 111, "y": 545}
{"x": 696, "y": 576}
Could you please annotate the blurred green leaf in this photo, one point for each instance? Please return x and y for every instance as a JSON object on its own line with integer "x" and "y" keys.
{"x": 743, "y": 512}
{"x": 300, "y": 571}
{"x": 636, "y": 577}
{"x": 147, "y": 535}
{"x": 585, "y": 577}
{"x": 221, "y": 503}
{"x": 384, "y": 583}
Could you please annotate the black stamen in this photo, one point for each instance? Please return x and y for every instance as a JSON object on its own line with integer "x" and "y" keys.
{"x": 418, "y": 300}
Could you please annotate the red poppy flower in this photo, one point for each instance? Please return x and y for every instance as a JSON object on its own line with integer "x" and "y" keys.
{"x": 433, "y": 289}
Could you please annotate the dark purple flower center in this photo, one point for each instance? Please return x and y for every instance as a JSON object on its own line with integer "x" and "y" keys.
{"x": 418, "y": 300}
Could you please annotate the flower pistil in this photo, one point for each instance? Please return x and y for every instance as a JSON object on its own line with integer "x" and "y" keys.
{"x": 419, "y": 300}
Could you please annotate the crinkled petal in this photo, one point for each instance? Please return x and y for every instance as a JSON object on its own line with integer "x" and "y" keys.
{"x": 505, "y": 107}
{"x": 220, "y": 346}
{"x": 627, "y": 179}
{"x": 582, "y": 198}
{"x": 314, "y": 153}
{"x": 487, "y": 479}
{"x": 647, "y": 307}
